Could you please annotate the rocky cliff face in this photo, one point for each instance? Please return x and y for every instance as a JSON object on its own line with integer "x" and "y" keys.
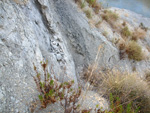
{"x": 56, "y": 30}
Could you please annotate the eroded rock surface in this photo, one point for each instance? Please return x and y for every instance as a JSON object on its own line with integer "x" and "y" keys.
{"x": 53, "y": 30}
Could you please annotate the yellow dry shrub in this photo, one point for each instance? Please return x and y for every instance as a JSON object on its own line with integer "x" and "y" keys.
{"x": 128, "y": 86}
{"x": 134, "y": 51}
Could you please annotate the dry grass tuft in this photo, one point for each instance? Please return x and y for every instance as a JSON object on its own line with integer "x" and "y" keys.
{"x": 91, "y": 2}
{"x": 127, "y": 86}
{"x": 110, "y": 16}
{"x": 134, "y": 51}
{"x": 138, "y": 34}
{"x": 105, "y": 33}
{"x": 94, "y": 79}
{"x": 98, "y": 23}
{"x": 97, "y": 7}
{"x": 88, "y": 14}
{"x": 125, "y": 32}
{"x": 122, "y": 45}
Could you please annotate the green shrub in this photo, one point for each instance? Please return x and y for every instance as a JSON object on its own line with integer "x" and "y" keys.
{"x": 125, "y": 32}
{"x": 134, "y": 51}
{"x": 117, "y": 107}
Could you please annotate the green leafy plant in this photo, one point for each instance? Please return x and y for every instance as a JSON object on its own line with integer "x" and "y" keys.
{"x": 115, "y": 104}
{"x": 51, "y": 90}
{"x": 117, "y": 107}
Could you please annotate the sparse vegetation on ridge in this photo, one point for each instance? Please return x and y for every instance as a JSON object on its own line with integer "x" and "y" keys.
{"x": 126, "y": 91}
{"x": 51, "y": 91}
{"x": 92, "y": 4}
{"x": 92, "y": 8}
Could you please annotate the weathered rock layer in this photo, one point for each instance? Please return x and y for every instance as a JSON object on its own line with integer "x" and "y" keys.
{"x": 53, "y": 30}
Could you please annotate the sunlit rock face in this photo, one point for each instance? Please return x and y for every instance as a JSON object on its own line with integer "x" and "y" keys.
{"x": 33, "y": 31}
